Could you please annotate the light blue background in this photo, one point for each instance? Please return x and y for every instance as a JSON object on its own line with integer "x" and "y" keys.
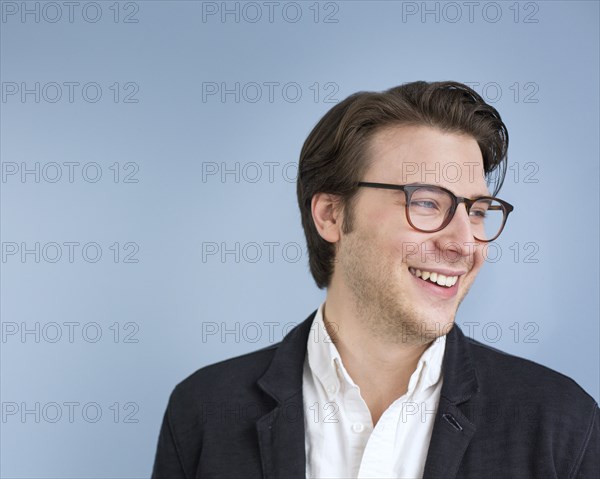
{"x": 171, "y": 134}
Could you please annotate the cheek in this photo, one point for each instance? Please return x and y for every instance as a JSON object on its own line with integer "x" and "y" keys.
{"x": 478, "y": 261}
{"x": 410, "y": 248}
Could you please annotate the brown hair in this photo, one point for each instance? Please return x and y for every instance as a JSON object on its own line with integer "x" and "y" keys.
{"x": 333, "y": 157}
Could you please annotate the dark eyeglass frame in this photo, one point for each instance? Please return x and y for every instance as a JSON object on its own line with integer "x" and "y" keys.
{"x": 456, "y": 200}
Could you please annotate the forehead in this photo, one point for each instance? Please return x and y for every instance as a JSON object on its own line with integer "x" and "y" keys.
{"x": 422, "y": 154}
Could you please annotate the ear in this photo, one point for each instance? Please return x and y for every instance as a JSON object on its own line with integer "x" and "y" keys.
{"x": 327, "y": 214}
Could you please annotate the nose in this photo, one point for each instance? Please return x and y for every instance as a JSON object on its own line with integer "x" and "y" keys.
{"x": 457, "y": 236}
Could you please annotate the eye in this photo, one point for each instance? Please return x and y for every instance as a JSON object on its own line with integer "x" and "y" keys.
{"x": 480, "y": 210}
{"x": 478, "y": 213}
{"x": 427, "y": 204}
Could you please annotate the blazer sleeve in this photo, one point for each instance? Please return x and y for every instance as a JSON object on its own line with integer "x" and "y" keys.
{"x": 167, "y": 462}
{"x": 589, "y": 467}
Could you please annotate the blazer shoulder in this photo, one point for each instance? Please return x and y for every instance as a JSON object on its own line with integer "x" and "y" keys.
{"x": 520, "y": 376}
{"x": 222, "y": 378}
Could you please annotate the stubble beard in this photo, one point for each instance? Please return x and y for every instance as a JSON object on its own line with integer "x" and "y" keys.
{"x": 384, "y": 309}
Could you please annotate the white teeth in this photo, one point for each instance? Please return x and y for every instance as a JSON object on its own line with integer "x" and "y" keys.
{"x": 440, "y": 279}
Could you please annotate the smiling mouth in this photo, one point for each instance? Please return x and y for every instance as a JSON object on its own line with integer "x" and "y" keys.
{"x": 434, "y": 277}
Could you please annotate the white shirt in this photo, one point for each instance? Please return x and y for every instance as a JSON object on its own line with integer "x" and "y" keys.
{"x": 340, "y": 440}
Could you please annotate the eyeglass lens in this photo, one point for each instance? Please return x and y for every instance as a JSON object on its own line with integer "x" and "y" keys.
{"x": 430, "y": 208}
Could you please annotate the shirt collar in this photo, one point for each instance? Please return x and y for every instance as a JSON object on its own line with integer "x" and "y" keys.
{"x": 326, "y": 363}
{"x": 323, "y": 357}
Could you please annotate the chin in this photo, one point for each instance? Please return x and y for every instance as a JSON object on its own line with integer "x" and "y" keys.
{"x": 438, "y": 324}
{"x": 426, "y": 330}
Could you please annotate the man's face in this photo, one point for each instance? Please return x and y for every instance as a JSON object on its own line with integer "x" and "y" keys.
{"x": 376, "y": 262}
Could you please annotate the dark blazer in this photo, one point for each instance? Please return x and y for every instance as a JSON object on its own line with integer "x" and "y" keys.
{"x": 499, "y": 416}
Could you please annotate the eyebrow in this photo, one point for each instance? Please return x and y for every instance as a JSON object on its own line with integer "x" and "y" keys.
{"x": 476, "y": 195}
{"x": 479, "y": 195}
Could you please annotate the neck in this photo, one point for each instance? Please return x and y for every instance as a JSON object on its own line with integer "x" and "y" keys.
{"x": 380, "y": 366}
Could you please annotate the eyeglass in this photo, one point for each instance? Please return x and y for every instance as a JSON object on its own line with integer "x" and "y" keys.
{"x": 430, "y": 208}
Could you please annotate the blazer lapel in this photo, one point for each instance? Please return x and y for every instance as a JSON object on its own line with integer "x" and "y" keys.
{"x": 281, "y": 431}
{"x": 452, "y": 430}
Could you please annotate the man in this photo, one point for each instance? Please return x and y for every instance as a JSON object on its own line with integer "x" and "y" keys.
{"x": 380, "y": 381}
